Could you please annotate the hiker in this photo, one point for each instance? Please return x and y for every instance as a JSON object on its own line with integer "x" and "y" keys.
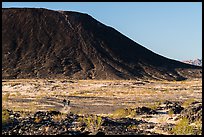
{"x": 65, "y": 102}
{"x": 68, "y": 102}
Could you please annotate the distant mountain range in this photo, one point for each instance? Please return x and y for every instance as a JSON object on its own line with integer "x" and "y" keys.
{"x": 197, "y": 62}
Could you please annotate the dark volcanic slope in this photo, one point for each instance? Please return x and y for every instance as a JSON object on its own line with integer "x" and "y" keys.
{"x": 41, "y": 43}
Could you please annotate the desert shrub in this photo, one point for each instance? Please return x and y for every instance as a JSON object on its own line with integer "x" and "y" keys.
{"x": 198, "y": 127}
{"x": 132, "y": 127}
{"x": 58, "y": 118}
{"x": 182, "y": 128}
{"x": 38, "y": 119}
{"x": 162, "y": 120}
{"x": 52, "y": 109}
{"x": 188, "y": 102}
{"x": 32, "y": 106}
{"x": 93, "y": 122}
{"x": 80, "y": 119}
{"x": 121, "y": 113}
{"x": 154, "y": 106}
{"x": 39, "y": 97}
{"x": 5, "y": 117}
{"x": 5, "y": 97}
{"x": 170, "y": 112}
{"x": 18, "y": 94}
{"x": 131, "y": 112}
{"x": 164, "y": 90}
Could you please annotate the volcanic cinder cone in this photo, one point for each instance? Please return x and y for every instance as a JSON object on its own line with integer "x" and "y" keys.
{"x": 41, "y": 43}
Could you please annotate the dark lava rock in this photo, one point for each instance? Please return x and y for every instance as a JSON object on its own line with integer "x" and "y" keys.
{"x": 71, "y": 126}
{"x": 52, "y": 113}
{"x": 145, "y": 110}
{"x": 120, "y": 127}
{"x": 167, "y": 103}
{"x": 100, "y": 133}
{"x": 40, "y": 123}
{"x": 176, "y": 109}
{"x": 49, "y": 113}
{"x": 42, "y": 43}
{"x": 193, "y": 112}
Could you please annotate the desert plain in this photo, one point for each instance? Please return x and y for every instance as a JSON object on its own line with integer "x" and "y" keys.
{"x": 104, "y": 98}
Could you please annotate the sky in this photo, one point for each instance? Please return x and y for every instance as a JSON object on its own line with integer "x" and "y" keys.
{"x": 171, "y": 29}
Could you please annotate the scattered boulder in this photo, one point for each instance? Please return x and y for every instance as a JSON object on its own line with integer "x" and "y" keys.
{"x": 71, "y": 125}
{"x": 174, "y": 107}
{"x": 145, "y": 110}
{"x": 193, "y": 112}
